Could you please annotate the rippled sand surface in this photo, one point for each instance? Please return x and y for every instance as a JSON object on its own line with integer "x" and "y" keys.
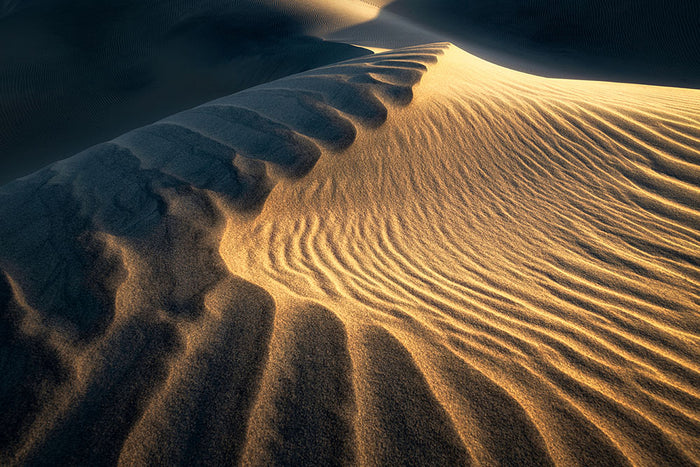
{"x": 412, "y": 258}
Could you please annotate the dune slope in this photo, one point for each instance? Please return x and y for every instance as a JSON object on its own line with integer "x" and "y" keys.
{"x": 416, "y": 257}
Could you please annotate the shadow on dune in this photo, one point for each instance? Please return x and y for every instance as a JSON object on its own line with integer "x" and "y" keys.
{"x": 31, "y": 372}
{"x": 309, "y": 409}
{"x": 409, "y": 426}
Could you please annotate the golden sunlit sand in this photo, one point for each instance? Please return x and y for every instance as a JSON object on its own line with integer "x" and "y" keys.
{"x": 410, "y": 258}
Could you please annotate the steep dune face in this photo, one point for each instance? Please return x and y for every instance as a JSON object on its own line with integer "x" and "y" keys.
{"x": 415, "y": 257}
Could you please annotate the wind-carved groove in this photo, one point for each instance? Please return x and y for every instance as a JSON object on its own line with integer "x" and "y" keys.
{"x": 304, "y": 112}
{"x": 38, "y": 366}
{"x": 254, "y": 136}
{"x": 204, "y": 411}
{"x": 419, "y": 432}
{"x": 306, "y": 410}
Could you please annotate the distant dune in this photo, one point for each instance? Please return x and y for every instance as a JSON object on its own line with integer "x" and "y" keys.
{"x": 641, "y": 41}
{"x": 410, "y": 258}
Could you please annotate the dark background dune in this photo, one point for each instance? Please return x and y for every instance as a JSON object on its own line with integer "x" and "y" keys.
{"x": 75, "y": 73}
{"x": 647, "y": 41}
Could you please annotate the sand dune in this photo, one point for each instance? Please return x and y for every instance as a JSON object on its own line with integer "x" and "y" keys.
{"x": 415, "y": 257}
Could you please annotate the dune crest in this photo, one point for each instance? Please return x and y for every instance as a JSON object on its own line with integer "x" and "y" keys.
{"x": 412, "y": 257}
